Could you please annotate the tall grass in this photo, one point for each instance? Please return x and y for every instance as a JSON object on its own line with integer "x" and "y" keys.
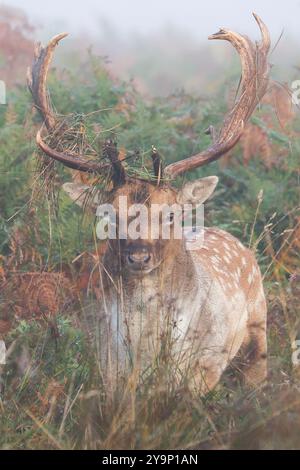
{"x": 52, "y": 390}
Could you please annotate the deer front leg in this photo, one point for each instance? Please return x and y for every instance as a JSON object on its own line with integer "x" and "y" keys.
{"x": 255, "y": 359}
{"x": 208, "y": 379}
{"x": 206, "y": 375}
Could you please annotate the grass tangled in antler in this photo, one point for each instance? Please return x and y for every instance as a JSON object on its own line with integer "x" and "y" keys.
{"x": 78, "y": 135}
{"x": 71, "y": 136}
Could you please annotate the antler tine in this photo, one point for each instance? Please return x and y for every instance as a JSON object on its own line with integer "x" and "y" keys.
{"x": 157, "y": 164}
{"x": 110, "y": 150}
{"x": 254, "y": 82}
{"x": 37, "y": 83}
{"x": 37, "y": 78}
{"x": 265, "y": 42}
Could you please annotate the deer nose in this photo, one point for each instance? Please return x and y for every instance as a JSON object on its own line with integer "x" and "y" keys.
{"x": 138, "y": 258}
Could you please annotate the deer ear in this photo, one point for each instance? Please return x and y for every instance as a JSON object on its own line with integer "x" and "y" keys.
{"x": 197, "y": 192}
{"x": 82, "y": 195}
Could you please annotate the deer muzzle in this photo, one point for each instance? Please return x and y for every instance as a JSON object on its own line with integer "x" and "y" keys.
{"x": 139, "y": 258}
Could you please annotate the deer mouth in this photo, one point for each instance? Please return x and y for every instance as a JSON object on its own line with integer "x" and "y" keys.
{"x": 142, "y": 269}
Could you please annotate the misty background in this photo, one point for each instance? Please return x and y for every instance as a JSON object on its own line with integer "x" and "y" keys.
{"x": 162, "y": 46}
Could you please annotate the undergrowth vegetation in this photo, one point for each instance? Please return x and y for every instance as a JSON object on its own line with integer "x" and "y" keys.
{"x": 52, "y": 394}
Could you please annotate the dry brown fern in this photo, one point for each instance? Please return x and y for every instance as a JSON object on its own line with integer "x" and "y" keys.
{"x": 47, "y": 401}
{"x": 23, "y": 244}
{"x": 289, "y": 256}
{"x": 87, "y": 278}
{"x": 35, "y": 295}
{"x": 255, "y": 141}
{"x": 280, "y": 98}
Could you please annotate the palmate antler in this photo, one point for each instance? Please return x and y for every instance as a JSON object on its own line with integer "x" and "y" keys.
{"x": 37, "y": 84}
{"x": 253, "y": 85}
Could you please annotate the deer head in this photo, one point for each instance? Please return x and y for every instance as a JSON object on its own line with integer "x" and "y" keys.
{"x": 143, "y": 256}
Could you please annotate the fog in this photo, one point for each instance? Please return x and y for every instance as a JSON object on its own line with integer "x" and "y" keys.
{"x": 196, "y": 17}
{"x": 163, "y": 44}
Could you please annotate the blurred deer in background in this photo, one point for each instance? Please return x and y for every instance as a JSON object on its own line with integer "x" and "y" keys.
{"x": 211, "y": 299}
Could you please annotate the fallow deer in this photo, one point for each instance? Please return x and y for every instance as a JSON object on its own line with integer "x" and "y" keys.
{"x": 212, "y": 298}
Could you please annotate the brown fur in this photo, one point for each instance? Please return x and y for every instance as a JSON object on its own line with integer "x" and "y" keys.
{"x": 210, "y": 300}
